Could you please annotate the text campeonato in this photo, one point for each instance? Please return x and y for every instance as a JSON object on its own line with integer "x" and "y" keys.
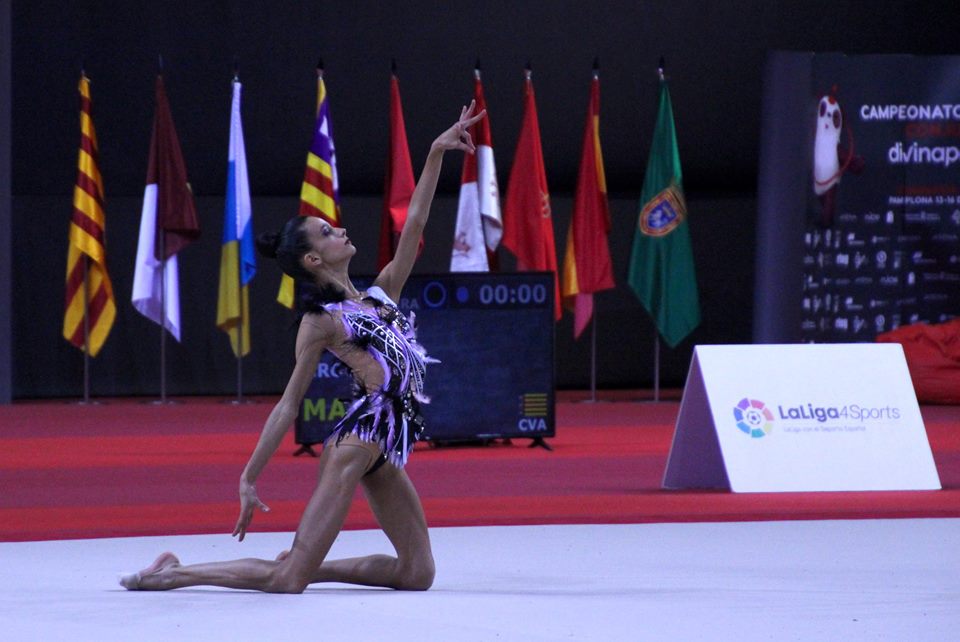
{"x": 910, "y": 112}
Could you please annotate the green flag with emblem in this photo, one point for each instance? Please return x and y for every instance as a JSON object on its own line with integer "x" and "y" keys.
{"x": 661, "y": 271}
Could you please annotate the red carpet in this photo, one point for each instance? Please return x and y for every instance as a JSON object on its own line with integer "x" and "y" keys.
{"x": 129, "y": 468}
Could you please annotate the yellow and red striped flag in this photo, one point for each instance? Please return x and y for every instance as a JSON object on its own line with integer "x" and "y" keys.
{"x": 319, "y": 193}
{"x": 87, "y": 278}
{"x": 587, "y": 267}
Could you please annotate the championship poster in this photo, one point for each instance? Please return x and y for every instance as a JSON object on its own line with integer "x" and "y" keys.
{"x": 881, "y": 246}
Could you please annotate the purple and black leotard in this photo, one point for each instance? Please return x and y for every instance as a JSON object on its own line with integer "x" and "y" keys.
{"x": 390, "y": 415}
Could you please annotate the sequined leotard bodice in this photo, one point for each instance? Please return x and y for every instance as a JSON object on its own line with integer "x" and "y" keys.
{"x": 386, "y": 413}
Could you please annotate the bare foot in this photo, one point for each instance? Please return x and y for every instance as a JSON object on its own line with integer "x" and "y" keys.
{"x": 134, "y": 581}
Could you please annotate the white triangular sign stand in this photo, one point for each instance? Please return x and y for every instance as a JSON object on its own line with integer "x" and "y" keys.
{"x": 695, "y": 459}
{"x": 800, "y": 418}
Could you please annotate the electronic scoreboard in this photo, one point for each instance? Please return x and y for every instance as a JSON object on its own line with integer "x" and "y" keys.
{"x": 493, "y": 335}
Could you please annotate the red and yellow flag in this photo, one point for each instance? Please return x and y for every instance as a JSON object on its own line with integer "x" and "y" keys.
{"x": 586, "y": 265}
{"x": 90, "y": 308}
{"x": 320, "y": 191}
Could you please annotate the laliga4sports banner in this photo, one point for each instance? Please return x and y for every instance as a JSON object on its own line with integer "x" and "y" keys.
{"x": 797, "y": 417}
{"x": 881, "y": 245}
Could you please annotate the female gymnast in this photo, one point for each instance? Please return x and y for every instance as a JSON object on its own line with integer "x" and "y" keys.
{"x": 371, "y": 444}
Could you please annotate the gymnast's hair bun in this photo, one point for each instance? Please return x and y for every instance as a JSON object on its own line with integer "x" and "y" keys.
{"x": 267, "y": 244}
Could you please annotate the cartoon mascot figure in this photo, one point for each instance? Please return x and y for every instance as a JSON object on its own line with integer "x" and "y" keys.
{"x": 830, "y": 158}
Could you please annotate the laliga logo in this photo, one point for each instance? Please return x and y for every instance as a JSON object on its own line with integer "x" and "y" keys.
{"x": 753, "y": 418}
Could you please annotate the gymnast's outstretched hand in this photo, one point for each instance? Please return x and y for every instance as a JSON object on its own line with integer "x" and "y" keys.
{"x": 248, "y": 502}
{"x": 458, "y": 136}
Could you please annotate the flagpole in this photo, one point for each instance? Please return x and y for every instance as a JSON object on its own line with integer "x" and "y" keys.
{"x": 661, "y": 65}
{"x": 240, "y": 357}
{"x": 86, "y": 330}
{"x": 493, "y": 264}
{"x": 239, "y": 399}
{"x": 593, "y": 320}
{"x": 163, "y": 319}
{"x": 656, "y": 368}
{"x": 236, "y": 79}
{"x": 163, "y": 296}
{"x": 86, "y": 309}
{"x": 483, "y": 228}
{"x": 239, "y": 334}
{"x": 240, "y": 343}
{"x": 240, "y": 330}
{"x": 593, "y": 356}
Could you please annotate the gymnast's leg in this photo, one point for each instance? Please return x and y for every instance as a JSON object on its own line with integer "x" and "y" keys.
{"x": 397, "y": 507}
{"x": 344, "y": 465}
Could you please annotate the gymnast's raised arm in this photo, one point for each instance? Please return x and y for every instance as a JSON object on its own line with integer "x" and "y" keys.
{"x": 394, "y": 275}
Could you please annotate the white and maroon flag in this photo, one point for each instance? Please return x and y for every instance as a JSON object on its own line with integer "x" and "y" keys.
{"x": 168, "y": 223}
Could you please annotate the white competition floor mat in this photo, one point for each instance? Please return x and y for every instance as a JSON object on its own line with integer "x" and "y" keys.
{"x": 797, "y": 580}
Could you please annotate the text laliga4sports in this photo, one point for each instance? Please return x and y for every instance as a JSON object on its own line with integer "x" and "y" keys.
{"x": 851, "y": 411}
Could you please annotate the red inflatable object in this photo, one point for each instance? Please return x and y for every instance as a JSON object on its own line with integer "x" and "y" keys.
{"x": 933, "y": 357}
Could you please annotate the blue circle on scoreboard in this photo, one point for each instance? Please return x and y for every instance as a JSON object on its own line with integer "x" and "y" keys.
{"x": 434, "y": 294}
{"x": 463, "y": 294}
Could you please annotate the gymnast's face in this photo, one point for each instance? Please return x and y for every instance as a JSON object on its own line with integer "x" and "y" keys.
{"x": 330, "y": 245}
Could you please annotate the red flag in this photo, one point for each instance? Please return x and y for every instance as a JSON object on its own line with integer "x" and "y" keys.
{"x": 399, "y": 183}
{"x": 177, "y": 224}
{"x": 528, "y": 225}
{"x": 586, "y": 265}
